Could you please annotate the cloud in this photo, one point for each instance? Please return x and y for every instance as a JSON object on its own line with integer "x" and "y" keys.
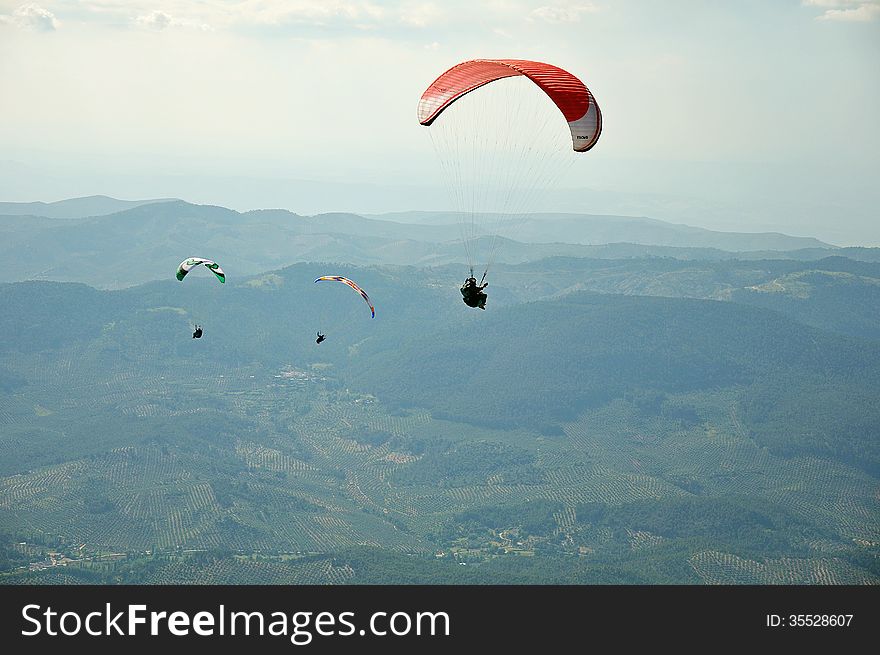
{"x": 853, "y": 11}
{"x": 334, "y": 18}
{"x": 305, "y": 12}
{"x": 155, "y": 20}
{"x": 563, "y": 13}
{"x": 419, "y": 15}
{"x": 833, "y": 4}
{"x": 861, "y": 14}
{"x": 32, "y": 16}
{"x": 274, "y": 14}
{"x": 158, "y": 21}
{"x": 325, "y": 13}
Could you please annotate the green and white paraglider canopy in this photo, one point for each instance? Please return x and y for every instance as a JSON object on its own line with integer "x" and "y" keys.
{"x": 188, "y": 264}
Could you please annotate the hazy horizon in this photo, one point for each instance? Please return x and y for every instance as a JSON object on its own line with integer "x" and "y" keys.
{"x": 750, "y": 117}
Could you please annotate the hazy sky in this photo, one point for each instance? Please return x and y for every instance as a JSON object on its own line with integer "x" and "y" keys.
{"x": 744, "y": 115}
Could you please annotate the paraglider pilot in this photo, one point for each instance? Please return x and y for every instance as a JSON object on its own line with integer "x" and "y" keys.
{"x": 320, "y": 338}
{"x": 197, "y": 334}
{"x": 472, "y": 293}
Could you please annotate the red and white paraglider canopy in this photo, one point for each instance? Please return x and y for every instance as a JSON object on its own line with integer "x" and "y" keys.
{"x": 566, "y": 91}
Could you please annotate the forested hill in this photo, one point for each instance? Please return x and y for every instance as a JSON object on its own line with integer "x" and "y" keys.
{"x": 544, "y": 363}
{"x": 614, "y": 438}
{"x": 535, "y": 365}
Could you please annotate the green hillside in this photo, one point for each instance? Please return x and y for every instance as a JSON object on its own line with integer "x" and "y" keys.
{"x": 590, "y": 438}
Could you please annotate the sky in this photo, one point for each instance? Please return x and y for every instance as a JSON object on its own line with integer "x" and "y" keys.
{"x": 747, "y": 115}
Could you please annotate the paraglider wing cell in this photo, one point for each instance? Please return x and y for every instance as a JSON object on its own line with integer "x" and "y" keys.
{"x": 353, "y": 285}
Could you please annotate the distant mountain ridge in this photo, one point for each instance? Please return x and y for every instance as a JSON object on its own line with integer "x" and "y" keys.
{"x": 147, "y": 238}
{"x": 593, "y": 229}
{"x": 582, "y": 229}
{"x": 74, "y": 207}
